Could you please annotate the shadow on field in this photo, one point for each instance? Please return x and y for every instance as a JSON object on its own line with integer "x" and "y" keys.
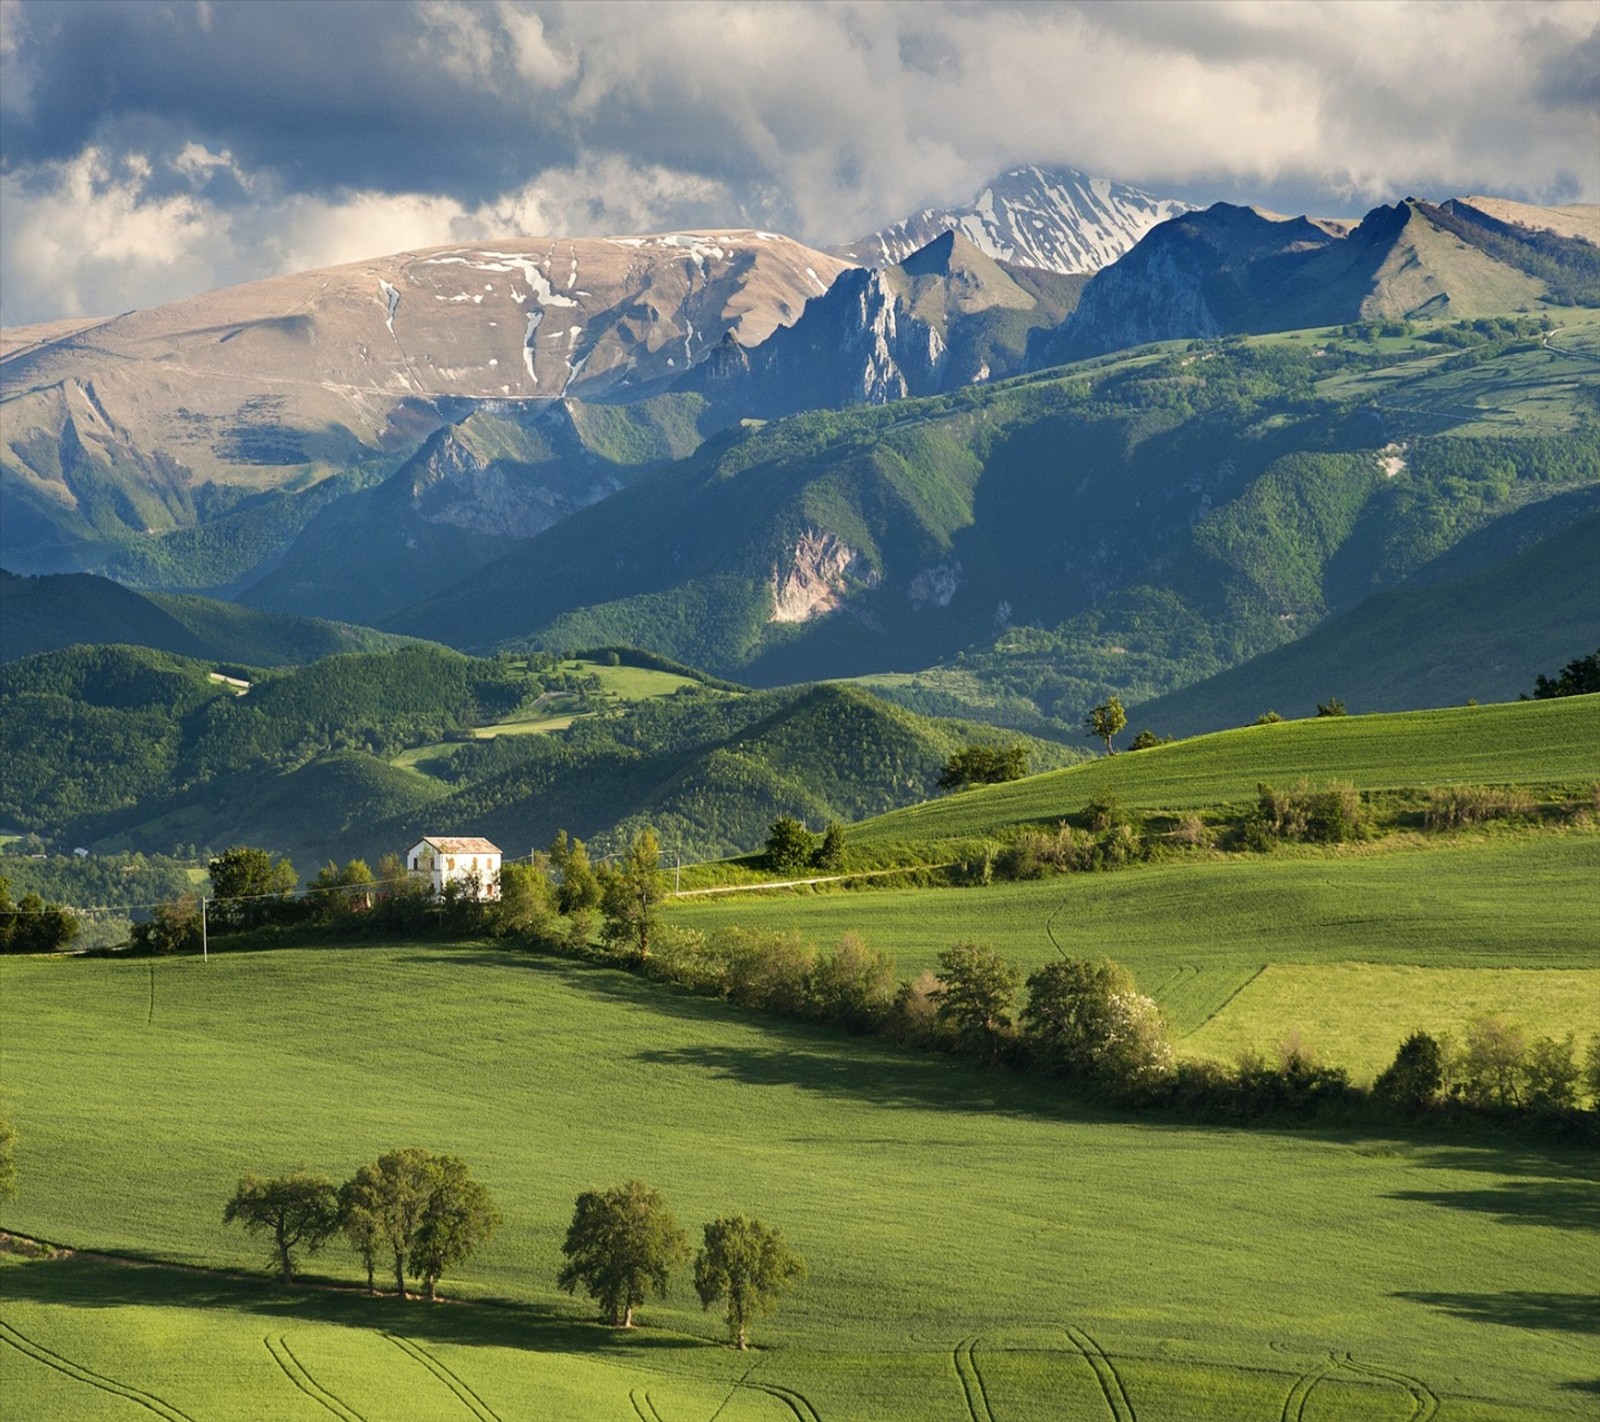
{"x": 1570, "y": 1313}
{"x": 89, "y": 1283}
{"x": 1540, "y": 1191}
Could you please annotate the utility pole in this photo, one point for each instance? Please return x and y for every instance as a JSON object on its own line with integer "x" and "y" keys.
{"x": 205, "y": 947}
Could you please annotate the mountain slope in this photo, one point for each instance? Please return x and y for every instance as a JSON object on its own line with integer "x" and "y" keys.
{"x": 1130, "y": 526}
{"x": 1483, "y": 636}
{"x": 113, "y": 429}
{"x": 47, "y": 613}
{"x": 1232, "y": 269}
{"x": 1055, "y": 219}
{"x": 947, "y": 316}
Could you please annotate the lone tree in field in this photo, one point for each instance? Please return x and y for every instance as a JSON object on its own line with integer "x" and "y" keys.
{"x": 748, "y": 1265}
{"x": 974, "y": 996}
{"x": 622, "y": 1246}
{"x": 300, "y": 1211}
{"x": 632, "y": 894}
{"x": 424, "y": 1210}
{"x": 1105, "y": 721}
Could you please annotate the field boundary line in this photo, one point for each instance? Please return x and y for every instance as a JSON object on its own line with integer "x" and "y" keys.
{"x": 300, "y": 1376}
{"x": 1218, "y": 1010}
{"x": 804, "y": 883}
{"x": 738, "y": 1383}
{"x": 464, "y": 1394}
{"x": 1105, "y": 1373}
{"x": 60, "y": 1363}
{"x": 971, "y": 1380}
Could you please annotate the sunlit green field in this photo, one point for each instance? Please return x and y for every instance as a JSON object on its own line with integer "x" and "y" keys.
{"x": 1195, "y": 934}
{"x": 1532, "y": 743}
{"x": 978, "y": 1249}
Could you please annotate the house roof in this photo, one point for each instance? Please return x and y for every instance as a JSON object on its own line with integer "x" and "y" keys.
{"x": 460, "y": 846}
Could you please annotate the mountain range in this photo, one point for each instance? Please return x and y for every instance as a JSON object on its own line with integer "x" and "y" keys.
{"x": 1068, "y": 440}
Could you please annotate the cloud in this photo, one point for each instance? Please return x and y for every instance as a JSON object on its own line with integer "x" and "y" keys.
{"x": 272, "y": 132}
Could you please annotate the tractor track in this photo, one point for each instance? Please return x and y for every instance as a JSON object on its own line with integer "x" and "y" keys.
{"x": 300, "y": 1376}
{"x": 1424, "y": 1400}
{"x": 1105, "y": 1373}
{"x": 643, "y": 1405}
{"x": 972, "y": 1385}
{"x": 15, "y": 1338}
{"x": 1294, "y": 1405}
{"x": 796, "y": 1402}
{"x": 464, "y": 1394}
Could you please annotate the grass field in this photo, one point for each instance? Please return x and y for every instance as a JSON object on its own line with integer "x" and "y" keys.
{"x": 1519, "y": 743}
{"x": 978, "y": 1250}
{"x": 1195, "y": 934}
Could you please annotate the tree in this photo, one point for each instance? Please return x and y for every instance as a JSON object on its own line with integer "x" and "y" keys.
{"x": 458, "y": 1216}
{"x": 1579, "y": 677}
{"x": 171, "y": 928}
{"x": 1412, "y": 1082}
{"x": 340, "y": 893}
{"x": 1491, "y": 1067}
{"x": 1552, "y": 1073}
{"x": 632, "y": 895}
{"x": 1268, "y": 718}
{"x": 976, "y": 987}
{"x": 747, "y": 1265}
{"x": 383, "y": 1205}
{"x": 1105, "y": 721}
{"x": 789, "y": 846}
{"x": 622, "y": 1246}
{"x": 249, "y": 885}
{"x": 1591, "y": 1073}
{"x": 830, "y": 853}
{"x": 32, "y": 925}
{"x": 984, "y": 765}
{"x": 1088, "y": 1018}
{"x": 1148, "y": 740}
{"x": 527, "y": 899}
{"x": 578, "y": 890}
{"x": 361, "y": 1223}
{"x": 299, "y": 1210}
{"x": 1331, "y": 707}
{"x": 853, "y": 986}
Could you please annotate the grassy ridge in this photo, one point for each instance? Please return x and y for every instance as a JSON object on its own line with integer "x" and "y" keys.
{"x": 1519, "y": 743}
{"x": 960, "y": 1225}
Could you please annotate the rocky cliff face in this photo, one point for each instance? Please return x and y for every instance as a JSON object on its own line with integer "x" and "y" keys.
{"x": 822, "y": 570}
{"x": 945, "y": 317}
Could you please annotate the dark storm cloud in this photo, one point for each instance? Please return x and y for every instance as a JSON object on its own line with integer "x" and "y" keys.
{"x": 323, "y": 96}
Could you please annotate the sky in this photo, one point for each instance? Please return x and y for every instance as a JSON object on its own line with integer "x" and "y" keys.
{"x": 150, "y": 149}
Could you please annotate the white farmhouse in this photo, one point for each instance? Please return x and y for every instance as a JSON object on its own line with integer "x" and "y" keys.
{"x": 472, "y": 863}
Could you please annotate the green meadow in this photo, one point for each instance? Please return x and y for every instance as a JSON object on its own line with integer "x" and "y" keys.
{"x": 1538, "y": 743}
{"x": 979, "y": 1249}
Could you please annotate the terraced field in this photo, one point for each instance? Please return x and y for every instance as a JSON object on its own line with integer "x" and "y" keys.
{"x": 979, "y": 1251}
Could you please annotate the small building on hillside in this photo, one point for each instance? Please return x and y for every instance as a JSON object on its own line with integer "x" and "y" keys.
{"x": 473, "y": 864}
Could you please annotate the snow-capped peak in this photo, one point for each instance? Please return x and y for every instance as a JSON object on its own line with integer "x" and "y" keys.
{"x": 1057, "y": 219}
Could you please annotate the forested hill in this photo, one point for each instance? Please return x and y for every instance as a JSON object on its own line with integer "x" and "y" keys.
{"x": 44, "y": 614}
{"x": 1131, "y": 525}
{"x": 356, "y": 755}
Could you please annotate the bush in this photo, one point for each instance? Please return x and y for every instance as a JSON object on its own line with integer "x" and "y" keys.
{"x": 1457, "y": 806}
{"x": 171, "y": 928}
{"x": 1331, "y": 815}
{"x": 1412, "y": 1082}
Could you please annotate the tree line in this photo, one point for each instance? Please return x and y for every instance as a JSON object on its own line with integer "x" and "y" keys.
{"x": 422, "y": 1214}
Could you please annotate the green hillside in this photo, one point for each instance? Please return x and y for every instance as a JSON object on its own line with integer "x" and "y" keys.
{"x": 1521, "y": 743}
{"x": 1134, "y": 524}
{"x": 43, "y": 614}
{"x": 120, "y": 748}
{"x": 1485, "y": 637}
{"x": 968, "y": 1234}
